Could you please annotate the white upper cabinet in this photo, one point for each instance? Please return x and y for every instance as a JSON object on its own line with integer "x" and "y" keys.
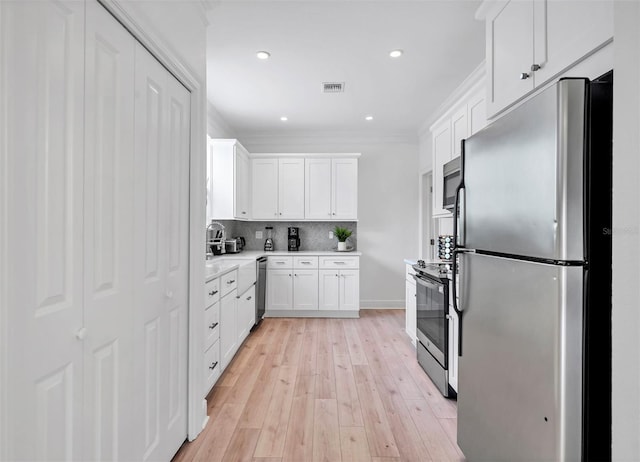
{"x": 331, "y": 189}
{"x": 290, "y": 188}
{"x": 317, "y": 189}
{"x": 344, "y": 198}
{"x": 510, "y": 31}
{"x": 459, "y": 131}
{"x": 529, "y": 43}
{"x": 441, "y": 155}
{"x": 229, "y": 194}
{"x": 477, "y": 113}
{"x": 304, "y": 187}
{"x": 264, "y": 174}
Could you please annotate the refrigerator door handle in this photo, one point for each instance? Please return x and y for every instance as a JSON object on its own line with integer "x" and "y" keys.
{"x": 458, "y": 229}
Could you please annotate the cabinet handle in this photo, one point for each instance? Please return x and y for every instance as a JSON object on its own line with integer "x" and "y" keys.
{"x": 333, "y": 213}
{"x": 244, "y": 213}
{"x": 337, "y": 275}
{"x": 305, "y": 262}
{"x": 249, "y": 298}
{"x": 212, "y": 293}
{"x": 524, "y": 76}
{"x": 213, "y": 365}
{"x": 213, "y": 326}
{"x": 279, "y": 263}
{"x": 280, "y": 213}
{"x": 535, "y": 67}
{"x": 340, "y": 262}
{"x": 231, "y": 281}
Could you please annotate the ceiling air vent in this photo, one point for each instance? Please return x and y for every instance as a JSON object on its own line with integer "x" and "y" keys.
{"x": 332, "y": 87}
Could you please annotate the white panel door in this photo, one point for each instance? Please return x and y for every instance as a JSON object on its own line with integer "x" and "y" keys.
{"x": 305, "y": 289}
{"x": 344, "y": 200}
{"x": 161, "y": 259}
{"x": 291, "y": 189}
{"x": 317, "y": 189}
{"x": 350, "y": 290}
{"x": 246, "y": 313}
{"x": 108, "y": 237}
{"x": 175, "y": 311}
{"x": 459, "y": 128}
{"x": 477, "y": 113}
{"x": 410, "y": 310}
{"x": 41, "y": 184}
{"x": 242, "y": 184}
{"x": 280, "y": 289}
{"x": 329, "y": 290}
{"x": 264, "y": 191}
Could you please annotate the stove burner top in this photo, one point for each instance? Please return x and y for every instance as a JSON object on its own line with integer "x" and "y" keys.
{"x": 440, "y": 270}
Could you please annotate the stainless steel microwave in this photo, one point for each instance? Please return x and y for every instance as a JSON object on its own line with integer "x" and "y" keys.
{"x": 451, "y": 180}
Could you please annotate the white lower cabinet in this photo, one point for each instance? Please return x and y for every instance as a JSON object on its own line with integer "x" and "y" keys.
{"x": 246, "y": 313}
{"x": 313, "y": 284}
{"x": 410, "y": 304}
{"x": 212, "y": 367}
{"x": 228, "y": 328}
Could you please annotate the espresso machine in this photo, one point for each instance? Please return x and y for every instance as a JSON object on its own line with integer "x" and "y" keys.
{"x": 293, "y": 239}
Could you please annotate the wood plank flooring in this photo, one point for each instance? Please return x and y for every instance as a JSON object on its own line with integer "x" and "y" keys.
{"x": 327, "y": 390}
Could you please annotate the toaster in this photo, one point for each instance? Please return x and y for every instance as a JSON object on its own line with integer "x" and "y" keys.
{"x": 234, "y": 245}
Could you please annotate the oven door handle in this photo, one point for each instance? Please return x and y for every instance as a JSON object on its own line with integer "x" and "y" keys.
{"x": 424, "y": 282}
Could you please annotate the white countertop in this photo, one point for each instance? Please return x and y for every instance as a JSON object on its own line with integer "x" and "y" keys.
{"x": 222, "y": 264}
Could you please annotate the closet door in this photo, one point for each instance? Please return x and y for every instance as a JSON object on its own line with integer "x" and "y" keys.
{"x": 160, "y": 254}
{"x": 109, "y": 257}
{"x": 41, "y": 226}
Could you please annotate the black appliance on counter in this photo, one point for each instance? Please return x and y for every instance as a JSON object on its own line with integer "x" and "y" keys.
{"x": 293, "y": 239}
{"x": 432, "y": 324}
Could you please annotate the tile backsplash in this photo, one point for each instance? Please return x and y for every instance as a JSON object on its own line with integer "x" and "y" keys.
{"x": 313, "y": 235}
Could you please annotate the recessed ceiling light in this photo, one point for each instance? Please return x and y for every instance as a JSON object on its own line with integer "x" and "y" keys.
{"x": 263, "y": 55}
{"x": 396, "y": 53}
{"x": 284, "y": 119}
{"x": 368, "y": 118}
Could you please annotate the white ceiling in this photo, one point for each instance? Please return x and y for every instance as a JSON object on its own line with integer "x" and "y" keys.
{"x": 346, "y": 41}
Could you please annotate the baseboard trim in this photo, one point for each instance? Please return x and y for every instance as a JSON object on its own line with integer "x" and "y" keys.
{"x": 377, "y": 304}
{"x": 311, "y": 314}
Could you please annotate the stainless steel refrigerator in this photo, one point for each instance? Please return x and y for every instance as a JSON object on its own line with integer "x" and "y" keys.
{"x": 534, "y": 259}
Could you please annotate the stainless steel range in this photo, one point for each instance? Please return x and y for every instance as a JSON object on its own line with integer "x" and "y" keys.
{"x": 432, "y": 300}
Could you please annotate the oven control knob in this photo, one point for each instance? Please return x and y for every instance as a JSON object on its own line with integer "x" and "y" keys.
{"x": 421, "y": 264}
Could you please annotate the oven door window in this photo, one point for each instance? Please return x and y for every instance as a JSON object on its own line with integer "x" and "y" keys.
{"x": 432, "y": 307}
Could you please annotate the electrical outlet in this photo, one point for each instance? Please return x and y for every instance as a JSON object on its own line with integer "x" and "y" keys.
{"x": 258, "y": 234}
{"x": 330, "y": 234}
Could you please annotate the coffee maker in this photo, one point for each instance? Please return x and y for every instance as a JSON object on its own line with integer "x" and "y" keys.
{"x": 294, "y": 239}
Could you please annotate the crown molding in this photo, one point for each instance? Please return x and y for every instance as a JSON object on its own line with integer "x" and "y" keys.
{"x": 472, "y": 83}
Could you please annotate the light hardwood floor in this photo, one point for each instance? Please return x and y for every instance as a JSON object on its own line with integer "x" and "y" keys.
{"x": 327, "y": 390}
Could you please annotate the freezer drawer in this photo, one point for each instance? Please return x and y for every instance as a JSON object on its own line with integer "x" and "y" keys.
{"x": 524, "y": 178}
{"x": 520, "y": 374}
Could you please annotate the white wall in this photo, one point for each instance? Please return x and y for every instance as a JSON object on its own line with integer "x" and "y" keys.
{"x": 387, "y": 205}
{"x": 626, "y": 242}
{"x": 217, "y": 127}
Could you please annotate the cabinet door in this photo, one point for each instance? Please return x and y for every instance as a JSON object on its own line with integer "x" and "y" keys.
{"x": 291, "y": 189}
{"x": 350, "y": 290}
{"x": 410, "y": 310}
{"x": 509, "y": 53}
{"x": 280, "y": 289}
{"x": 228, "y": 328}
{"x": 242, "y": 184}
{"x": 477, "y": 113}
{"x": 305, "y": 289}
{"x": 264, "y": 191}
{"x": 441, "y": 155}
{"x": 329, "y": 289}
{"x": 317, "y": 189}
{"x": 459, "y": 130}
{"x": 246, "y": 313}
{"x": 344, "y": 200}
{"x": 566, "y": 32}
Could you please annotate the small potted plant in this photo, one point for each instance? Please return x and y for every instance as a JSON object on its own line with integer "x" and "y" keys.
{"x": 342, "y": 234}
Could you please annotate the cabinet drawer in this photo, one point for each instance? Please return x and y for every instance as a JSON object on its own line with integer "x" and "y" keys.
{"x": 333, "y": 262}
{"x": 211, "y": 325}
{"x": 305, "y": 262}
{"x": 211, "y": 292}
{"x": 211, "y": 366}
{"x": 228, "y": 282}
{"x": 280, "y": 262}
